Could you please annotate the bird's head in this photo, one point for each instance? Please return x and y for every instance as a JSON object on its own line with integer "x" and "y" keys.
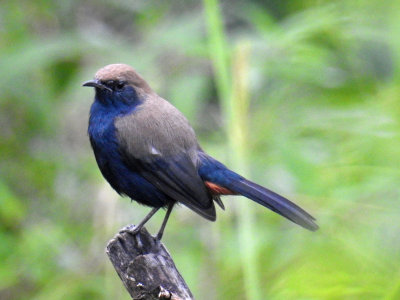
{"x": 119, "y": 84}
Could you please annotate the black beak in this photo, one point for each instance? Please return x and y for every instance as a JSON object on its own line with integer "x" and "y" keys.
{"x": 96, "y": 84}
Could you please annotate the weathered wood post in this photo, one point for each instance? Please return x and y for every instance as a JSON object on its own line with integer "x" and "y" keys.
{"x": 145, "y": 267}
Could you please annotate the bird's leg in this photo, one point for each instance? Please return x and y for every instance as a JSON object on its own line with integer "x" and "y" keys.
{"x": 141, "y": 224}
{"x": 164, "y": 223}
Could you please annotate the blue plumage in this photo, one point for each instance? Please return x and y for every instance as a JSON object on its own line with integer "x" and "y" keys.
{"x": 213, "y": 171}
{"x": 102, "y": 134}
{"x": 147, "y": 150}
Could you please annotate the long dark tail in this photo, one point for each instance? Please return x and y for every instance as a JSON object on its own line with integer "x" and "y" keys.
{"x": 216, "y": 173}
{"x": 273, "y": 201}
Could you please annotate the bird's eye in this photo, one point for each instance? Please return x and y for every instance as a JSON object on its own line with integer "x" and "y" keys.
{"x": 109, "y": 83}
{"x": 120, "y": 85}
{"x": 115, "y": 85}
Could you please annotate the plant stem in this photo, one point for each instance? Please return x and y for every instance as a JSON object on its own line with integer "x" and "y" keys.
{"x": 239, "y": 142}
{"x": 233, "y": 94}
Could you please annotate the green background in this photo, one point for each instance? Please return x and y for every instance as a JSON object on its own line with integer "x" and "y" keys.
{"x": 300, "y": 96}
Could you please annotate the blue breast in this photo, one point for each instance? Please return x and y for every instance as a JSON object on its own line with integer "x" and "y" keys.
{"x": 124, "y": 180}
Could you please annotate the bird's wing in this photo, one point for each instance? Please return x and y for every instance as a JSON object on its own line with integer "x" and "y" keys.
{"x": 163, "y": 150}
{"x": 178, "y": 178}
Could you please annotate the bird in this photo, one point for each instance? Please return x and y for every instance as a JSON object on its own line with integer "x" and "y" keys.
{"x": 147, "y": 150}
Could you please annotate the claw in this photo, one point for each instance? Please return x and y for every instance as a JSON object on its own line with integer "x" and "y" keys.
{"x": 131, "y": 229}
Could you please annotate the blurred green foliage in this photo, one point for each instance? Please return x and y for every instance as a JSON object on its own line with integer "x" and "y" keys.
{"x": 321, "y": 125}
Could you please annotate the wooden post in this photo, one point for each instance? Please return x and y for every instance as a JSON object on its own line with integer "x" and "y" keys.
{"x": 145, "y": 267}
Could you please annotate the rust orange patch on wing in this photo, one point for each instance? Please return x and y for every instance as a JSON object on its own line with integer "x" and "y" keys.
{"x": 215, "y": 189}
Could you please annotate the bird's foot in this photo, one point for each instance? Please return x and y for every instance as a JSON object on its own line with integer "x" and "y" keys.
{"x": 158, "y": 237}
{"x": 131, "y": 229}
{"x": 134, "y": 230}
